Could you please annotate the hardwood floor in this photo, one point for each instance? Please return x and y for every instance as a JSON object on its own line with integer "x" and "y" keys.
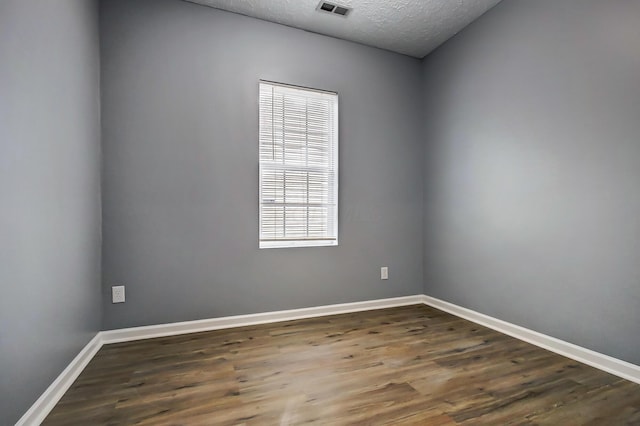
{"x": 409, "y": 365}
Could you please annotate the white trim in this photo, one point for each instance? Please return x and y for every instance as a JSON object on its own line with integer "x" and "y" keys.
{"x": 615, "y": 366}
{"x": 161, "y": 330}
{"x": 43, "y": 406}
{"x": 297, "y": 243}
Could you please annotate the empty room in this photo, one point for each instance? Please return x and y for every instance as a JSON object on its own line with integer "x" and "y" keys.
{"x": 276, "y": 212}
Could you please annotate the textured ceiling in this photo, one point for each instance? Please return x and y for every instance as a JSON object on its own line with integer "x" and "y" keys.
{"x": 411, "y": 27}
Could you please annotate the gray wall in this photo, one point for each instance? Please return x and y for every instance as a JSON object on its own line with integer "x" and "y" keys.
{"x": 532, "y": 166}
{"x": 49, "y": 193}
{"x": 180, "y": 149}
{"x": 524, "y": 144}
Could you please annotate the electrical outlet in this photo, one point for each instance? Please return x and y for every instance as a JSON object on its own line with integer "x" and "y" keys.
{"x": 384, "y": 273}
{"x": 117, "y": 294}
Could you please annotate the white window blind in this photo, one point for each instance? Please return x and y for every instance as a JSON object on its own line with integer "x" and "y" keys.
{"x": 298, "y": 166}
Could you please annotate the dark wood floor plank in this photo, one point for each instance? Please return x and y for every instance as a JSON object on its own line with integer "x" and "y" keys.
{"x": 408, "y": 365}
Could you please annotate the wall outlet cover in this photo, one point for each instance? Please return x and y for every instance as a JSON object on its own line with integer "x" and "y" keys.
{"x": 384, "y": 273}
{"x": 117, "y": 294}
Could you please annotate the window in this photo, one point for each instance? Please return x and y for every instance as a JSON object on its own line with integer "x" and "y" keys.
{"x": 298, "y": 166}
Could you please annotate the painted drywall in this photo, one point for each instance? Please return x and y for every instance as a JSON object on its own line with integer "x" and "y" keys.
{"x": 180, "y": 166}
{"x": 409, "y": 27}
{"x": 532, "y": 164}
{"x": 49, "y": 193}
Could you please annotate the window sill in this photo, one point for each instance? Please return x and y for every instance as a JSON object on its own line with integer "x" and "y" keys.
{"x": 299, "y": 243}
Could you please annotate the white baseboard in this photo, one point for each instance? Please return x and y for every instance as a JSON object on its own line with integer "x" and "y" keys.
{"x": 43, "y": 406}
{"x": 162, "y": 330}
{"x": 600, "y": 361}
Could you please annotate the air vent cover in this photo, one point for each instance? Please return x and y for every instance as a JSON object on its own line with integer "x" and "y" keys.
{"x": 334, "y": 9}
{"x": 341, "y": 10}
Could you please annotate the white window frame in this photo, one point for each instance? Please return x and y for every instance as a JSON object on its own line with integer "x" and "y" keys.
{"x": 332, "y": 238}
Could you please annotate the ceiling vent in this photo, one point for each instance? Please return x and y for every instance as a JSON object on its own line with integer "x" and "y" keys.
{"x": 334, "y": 9}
